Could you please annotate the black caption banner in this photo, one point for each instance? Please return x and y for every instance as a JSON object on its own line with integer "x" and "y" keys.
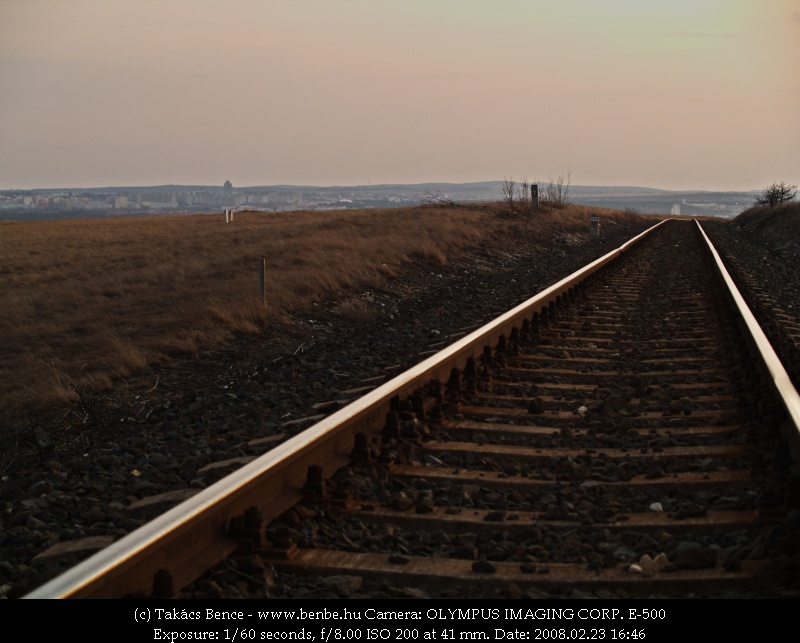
{"x": 399, "y": 621}
{"x": 378, "y": 621}
{"x": 400, "y": 624}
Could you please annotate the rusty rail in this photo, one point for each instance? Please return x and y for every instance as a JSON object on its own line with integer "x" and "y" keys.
{"x": 781, "y": 383}
{"x": 173, "y": 549}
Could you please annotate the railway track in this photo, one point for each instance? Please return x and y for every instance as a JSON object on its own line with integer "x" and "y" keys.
{"x": 614, "y": 436}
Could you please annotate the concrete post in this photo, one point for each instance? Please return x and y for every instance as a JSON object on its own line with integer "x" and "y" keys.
{"x": 594, "y": 226}
{"x": 535, "y": 196}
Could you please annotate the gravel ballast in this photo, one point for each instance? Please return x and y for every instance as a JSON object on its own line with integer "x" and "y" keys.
{"x": 185, "y": 427}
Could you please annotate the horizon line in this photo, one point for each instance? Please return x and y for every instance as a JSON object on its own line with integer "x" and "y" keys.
{"x": 361, "y": 185}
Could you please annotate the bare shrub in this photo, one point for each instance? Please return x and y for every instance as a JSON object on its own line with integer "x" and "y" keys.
{"x": 516, "y": 197}
{"x": 556, "y": 192}
{"x": 437, "y": 199}
{"x": 508, "y": 193}
{"x": 517, "y": 201}
{"x": 524, "y": 202}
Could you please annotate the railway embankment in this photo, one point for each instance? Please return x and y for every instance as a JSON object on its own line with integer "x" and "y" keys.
{"x": 273, "y": 385}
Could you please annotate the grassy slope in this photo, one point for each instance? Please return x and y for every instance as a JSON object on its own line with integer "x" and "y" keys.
{"x": 90, "y": 302}
{"x": 781, "y": 226}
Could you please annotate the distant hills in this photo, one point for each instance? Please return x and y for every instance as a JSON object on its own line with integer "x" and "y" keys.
{"x": 163, "y": 199}
{"x": 483, "y": 186}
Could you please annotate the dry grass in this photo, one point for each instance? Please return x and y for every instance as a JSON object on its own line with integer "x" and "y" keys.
{"x": 782, "y": 223}
{"x": 87, "y": 303}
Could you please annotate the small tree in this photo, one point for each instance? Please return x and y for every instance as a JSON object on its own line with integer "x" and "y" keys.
{"x": 508, "y": 193}
{"x": 516, "y": 198}
{"x": 776, "y": 194}
{"x": 556, "y": 193}
{"x": 524, "y": 197}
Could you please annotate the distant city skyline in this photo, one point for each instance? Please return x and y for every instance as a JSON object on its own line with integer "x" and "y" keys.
{"x": 42, "y": 204}
{"x": 669, "y": 94}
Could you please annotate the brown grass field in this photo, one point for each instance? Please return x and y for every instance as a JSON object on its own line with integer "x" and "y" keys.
{"x": 782, "y": 224}
{"x": 88, "y": 303}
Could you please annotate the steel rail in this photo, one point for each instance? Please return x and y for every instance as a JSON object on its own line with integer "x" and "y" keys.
{"x": 779, "y": 379}
{"x": 187, "y": 539}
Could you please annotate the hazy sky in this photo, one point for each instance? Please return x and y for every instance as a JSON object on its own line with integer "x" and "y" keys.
{"x": 671, "y": 94}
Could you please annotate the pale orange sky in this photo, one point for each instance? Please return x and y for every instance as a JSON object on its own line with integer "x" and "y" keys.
{"x": 674, "y": 94}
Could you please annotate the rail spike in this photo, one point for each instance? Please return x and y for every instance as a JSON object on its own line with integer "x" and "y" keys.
{"x": 513, "y": 342}
{"x": 391, "y": 429}
{"x": 418, "y": 405}
{"x": 470, "y": 376}
{"x": 282, "y": 546}
{"x": 164, "y": 584}
{"x": 361, "y": 453}
{"x": 314, "y": 487}
{"x": 454, "y": 381}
